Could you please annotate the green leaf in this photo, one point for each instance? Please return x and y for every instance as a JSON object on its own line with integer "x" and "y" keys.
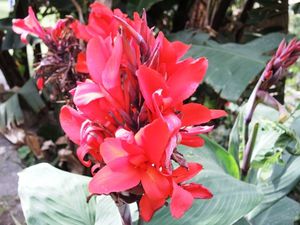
{"x": 232, "y": 198}
{"x": 288, "y": 141}
{"x": 231, "y": 66}
{"x": 236, "y": 141}
{"x": 51, "y": 196}
{"x": 222, "y": 157}
{"x": 285, "y": 211}
{"x": 11, "y": 111}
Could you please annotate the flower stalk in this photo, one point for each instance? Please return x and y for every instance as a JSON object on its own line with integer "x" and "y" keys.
{"x": 124, "y": 211}
{"x": 275, "y": 70}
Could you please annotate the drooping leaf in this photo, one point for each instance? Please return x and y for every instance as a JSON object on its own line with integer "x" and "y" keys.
{"x": 51, "y": 196}
{"x": 231, "y": 66}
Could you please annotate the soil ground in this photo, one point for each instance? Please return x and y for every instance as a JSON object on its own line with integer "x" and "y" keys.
{"x": 10, "y": 165}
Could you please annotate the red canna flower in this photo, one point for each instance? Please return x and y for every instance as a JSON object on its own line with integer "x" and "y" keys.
{"x": 29, "y": 25}
{"x": 129, "y": 115}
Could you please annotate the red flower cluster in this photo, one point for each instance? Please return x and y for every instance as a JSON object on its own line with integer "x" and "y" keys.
{"x": 63, "y": 48}
{"x": 130, "y": 116}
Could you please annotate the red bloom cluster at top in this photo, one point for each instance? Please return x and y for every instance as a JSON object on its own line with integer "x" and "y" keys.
{"x": 129, "y": 116}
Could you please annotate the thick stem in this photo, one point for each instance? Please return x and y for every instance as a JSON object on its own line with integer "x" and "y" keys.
{"x": 248, "y": 151}
{"x": 125, "y": 214}
{"x": 250, "y": 107}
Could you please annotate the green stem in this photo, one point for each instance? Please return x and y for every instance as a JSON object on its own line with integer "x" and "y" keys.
{"x": 248, "y": 152}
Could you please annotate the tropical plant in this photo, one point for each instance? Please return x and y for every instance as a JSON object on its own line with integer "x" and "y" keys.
{"x": 128, "y": 116}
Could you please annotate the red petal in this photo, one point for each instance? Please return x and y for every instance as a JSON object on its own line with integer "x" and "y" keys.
{"x": 216, "y": 113}
{"x": 111, "y": 77}
{"x": 28, "y": 25}
{"x": 148, "y": 207}
{"x": 97, "y": 54}
{"x": 154, "y": 138}
{"x": 192, "y": 141}
{"x": 172, "y": 51}
{"x": 40, "y": 82}
{"x": 107, "y": 181}
{"x": 81, "y": 65}
{"x": 181, "y": 201}
{"x": 89, "y": 99}
{"x": 71, "y": 121}
{"x": 86, "y": 92}
{"x": 186, "y": 79}
{"x": 149, "y": 82}
{"x": 81, "y": 152}
{"x": 198, "y": 191}
{"x": 156, "y": 186}
{"x": 182, "y": 174}
{"x": 194, "y": 114}
{"x": 114, "y": 155}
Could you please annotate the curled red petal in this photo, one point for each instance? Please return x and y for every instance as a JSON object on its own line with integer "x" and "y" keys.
{"x": 71, "y": 121}
{"x": 82, "y": 152}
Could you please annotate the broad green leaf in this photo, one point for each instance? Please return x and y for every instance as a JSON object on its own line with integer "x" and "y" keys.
{"x": 51, "y": 196}
{"x": 231, "y": 66}
{"x": 283, "y": 212}
{"x": 222, "y": 157}
{"x": 232, "y": 198}
{"x": 11, "y": 111}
